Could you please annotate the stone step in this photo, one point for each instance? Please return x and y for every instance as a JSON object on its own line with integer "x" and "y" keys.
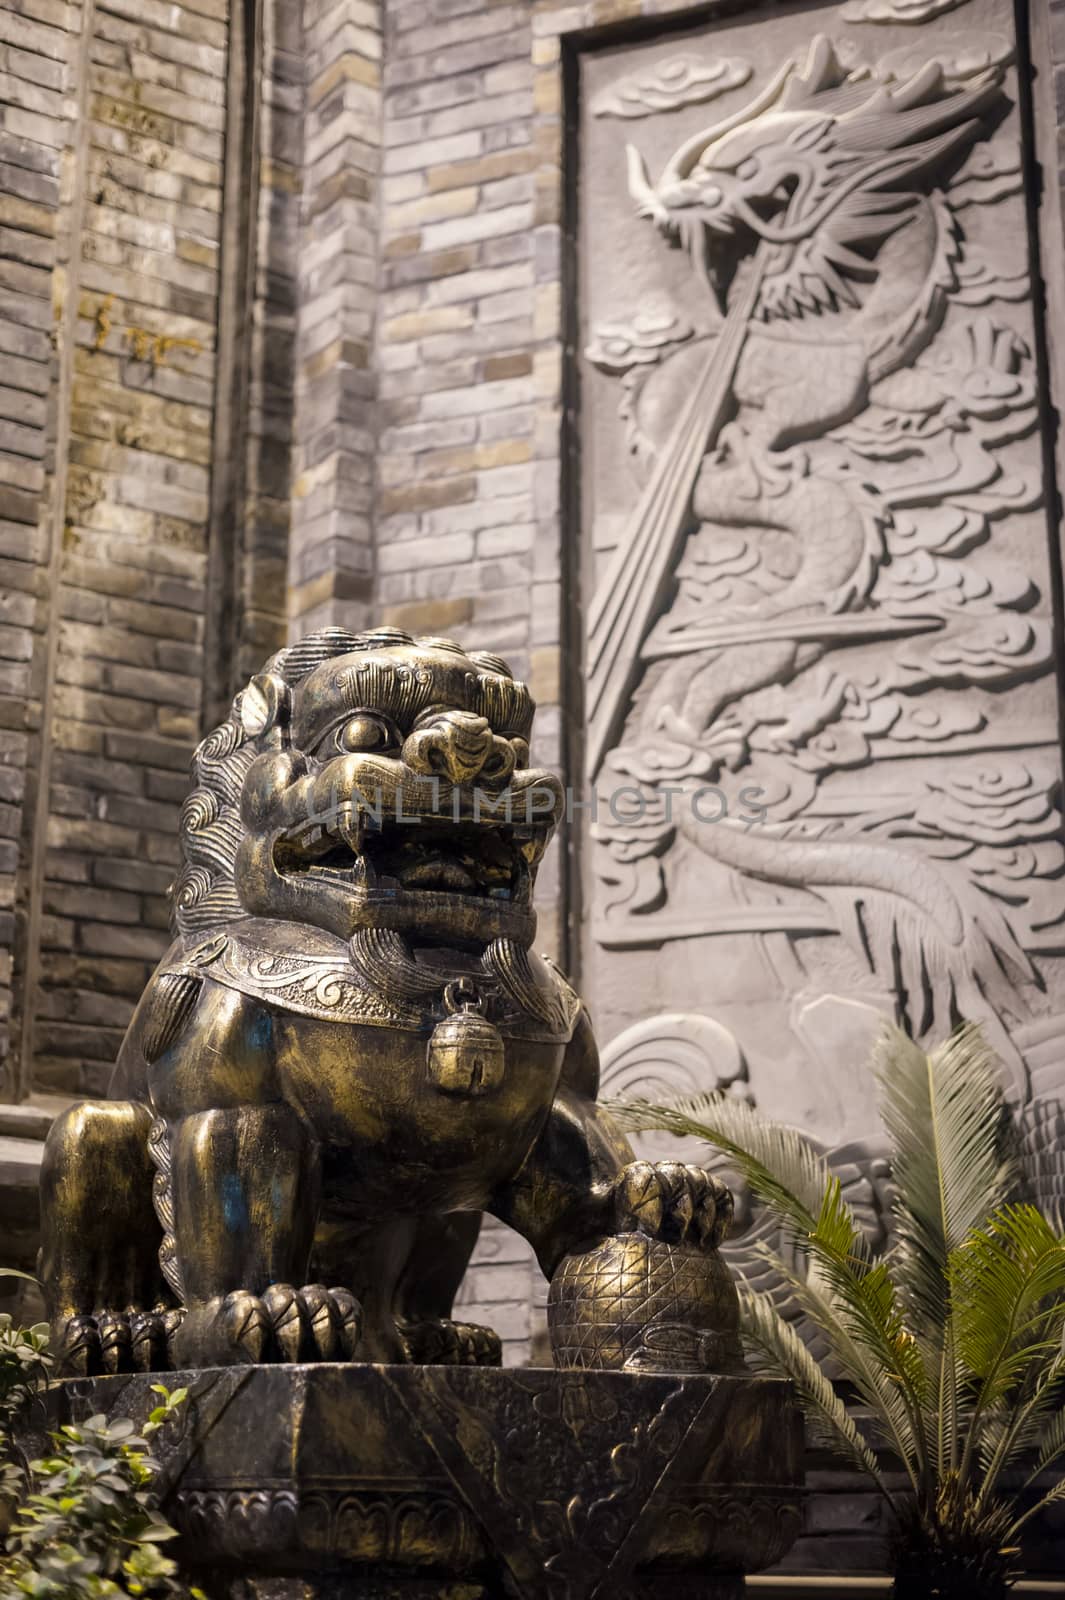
{"x": 774, "y": 1586}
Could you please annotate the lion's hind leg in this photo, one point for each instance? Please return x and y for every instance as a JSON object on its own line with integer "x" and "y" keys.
{"x": 99, "y": 1259}
{"x": 426, "y": 1291}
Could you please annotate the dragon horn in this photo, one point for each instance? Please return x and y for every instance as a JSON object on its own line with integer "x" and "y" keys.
{"x": 683, "y": 160}
{"x": 640, "y": 186}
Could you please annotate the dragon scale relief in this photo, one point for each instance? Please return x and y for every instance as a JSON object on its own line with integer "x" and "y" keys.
{"x": 816, "y": 526}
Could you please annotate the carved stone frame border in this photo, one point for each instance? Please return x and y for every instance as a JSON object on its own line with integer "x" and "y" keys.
{"x": 1041, "y": 48}
{"x": 560, "y": 34}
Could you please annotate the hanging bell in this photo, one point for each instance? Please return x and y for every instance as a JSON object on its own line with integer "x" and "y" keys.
{"x": 465, "y": 1054}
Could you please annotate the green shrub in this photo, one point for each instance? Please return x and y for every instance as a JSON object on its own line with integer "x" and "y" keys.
{"x": 81, "y": 1523}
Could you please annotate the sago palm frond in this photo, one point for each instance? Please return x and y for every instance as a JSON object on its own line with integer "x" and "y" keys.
{"x": 1051, "y": 1441}
{"x": 1032, "y": 1424}
{"x": 1007, "y": 1284}
{"x": 944, "y": 1113}
{"x": 1010, "y": 1431}
{"x": 783, "y": 1169}
{"x": 1008, "y": 1288}
{"x": 870, "y": 1309}
{"x": 948, "y": 1409}
{"x": 1027, "y": 1423}
{"x": 865, "y": 1289}
{"x": 891, "y": 1416}
{"x": 784, "y": 1354}
{"x": 1051, "y": 1497}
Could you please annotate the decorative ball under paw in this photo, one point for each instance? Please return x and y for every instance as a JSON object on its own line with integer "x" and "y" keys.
{"x": 640, "y": 1304}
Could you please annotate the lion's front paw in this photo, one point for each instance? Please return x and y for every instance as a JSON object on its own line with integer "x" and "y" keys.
{"x": 116, "y": 1341}
{"x": 282, "y": 1324}
{"x": 672, "y": 1202}
{"x": 443, "y": 1343}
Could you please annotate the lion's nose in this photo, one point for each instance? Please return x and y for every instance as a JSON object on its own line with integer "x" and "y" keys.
{"x": 453, "y": 745}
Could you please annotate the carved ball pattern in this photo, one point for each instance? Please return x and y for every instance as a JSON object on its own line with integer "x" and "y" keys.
{"x": 638, "y": 1303}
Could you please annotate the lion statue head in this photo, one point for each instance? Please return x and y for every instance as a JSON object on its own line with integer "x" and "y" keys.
{"x": 370, "y": 780}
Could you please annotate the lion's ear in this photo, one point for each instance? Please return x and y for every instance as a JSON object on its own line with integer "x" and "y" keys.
{"x": 265, "y": 707}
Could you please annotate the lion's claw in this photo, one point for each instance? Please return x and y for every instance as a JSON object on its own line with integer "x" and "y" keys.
{"x": 149, "y": 1338}
{"x": 672, "y": 1202}
{"x": 78, "y": 1342}
{"x": 117, "y": 1341}
{"x": 323, "y": 1321}
{"x": 287, "y": 1316}
{"x": 243, "y": 1322}
{"x": 116, "y": 1346}
{"x": 349, "y": 1322}
{"x": 284, "y": 1324}
{"x": 443, "y": 1343}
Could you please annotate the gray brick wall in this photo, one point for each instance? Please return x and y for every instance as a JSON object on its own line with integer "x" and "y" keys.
{"x": 39, "y": 53}
{"x": 40, "y": 58}
{"x": 331, "y": 550}
{"x": 120, "y": 317}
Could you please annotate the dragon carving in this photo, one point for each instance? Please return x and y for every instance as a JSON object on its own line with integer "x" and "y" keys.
{"x": 821, "y": 217}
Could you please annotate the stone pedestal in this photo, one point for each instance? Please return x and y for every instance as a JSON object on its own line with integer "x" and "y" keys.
{"x": 461, "y": 1483}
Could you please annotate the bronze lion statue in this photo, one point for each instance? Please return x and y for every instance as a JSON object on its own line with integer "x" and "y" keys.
{"x": 350, "y": 1052}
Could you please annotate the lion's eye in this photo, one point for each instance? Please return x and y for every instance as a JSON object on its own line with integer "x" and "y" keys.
{"x": 364, "y": 733}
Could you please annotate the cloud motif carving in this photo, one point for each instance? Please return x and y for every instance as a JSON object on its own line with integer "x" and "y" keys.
{"x": 617, "y": 346}
{"x": 914, "y": 11}
{"x": 960, "y": 59}
{"x": 681, "y": 81}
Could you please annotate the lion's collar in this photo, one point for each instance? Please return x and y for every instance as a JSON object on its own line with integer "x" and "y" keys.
{"x": 376, "y": 981}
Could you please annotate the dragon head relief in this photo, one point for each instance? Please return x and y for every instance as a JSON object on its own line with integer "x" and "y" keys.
{"x": 372, "y": 781}
{"x": 823, "y": 166}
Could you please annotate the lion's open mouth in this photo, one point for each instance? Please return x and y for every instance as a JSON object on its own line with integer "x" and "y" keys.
{"x": 486, "y": 859}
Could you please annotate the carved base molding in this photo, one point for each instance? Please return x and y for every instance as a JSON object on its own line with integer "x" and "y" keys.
{"x": 385, "y": 1586}
{"x": 416, "y": 1483}
{"x": 378, "y": 1585}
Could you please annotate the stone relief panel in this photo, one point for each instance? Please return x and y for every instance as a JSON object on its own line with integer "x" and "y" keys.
{"x": 822, "y": 718}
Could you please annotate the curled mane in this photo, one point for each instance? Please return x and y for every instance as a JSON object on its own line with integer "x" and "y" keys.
{"x": 204, "y": 895}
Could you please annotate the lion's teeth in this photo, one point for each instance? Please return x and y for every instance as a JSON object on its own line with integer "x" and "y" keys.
{"x": 350, "y": 828}
{"x": 438, "y": 873}
{"x": 533, "y": 849}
